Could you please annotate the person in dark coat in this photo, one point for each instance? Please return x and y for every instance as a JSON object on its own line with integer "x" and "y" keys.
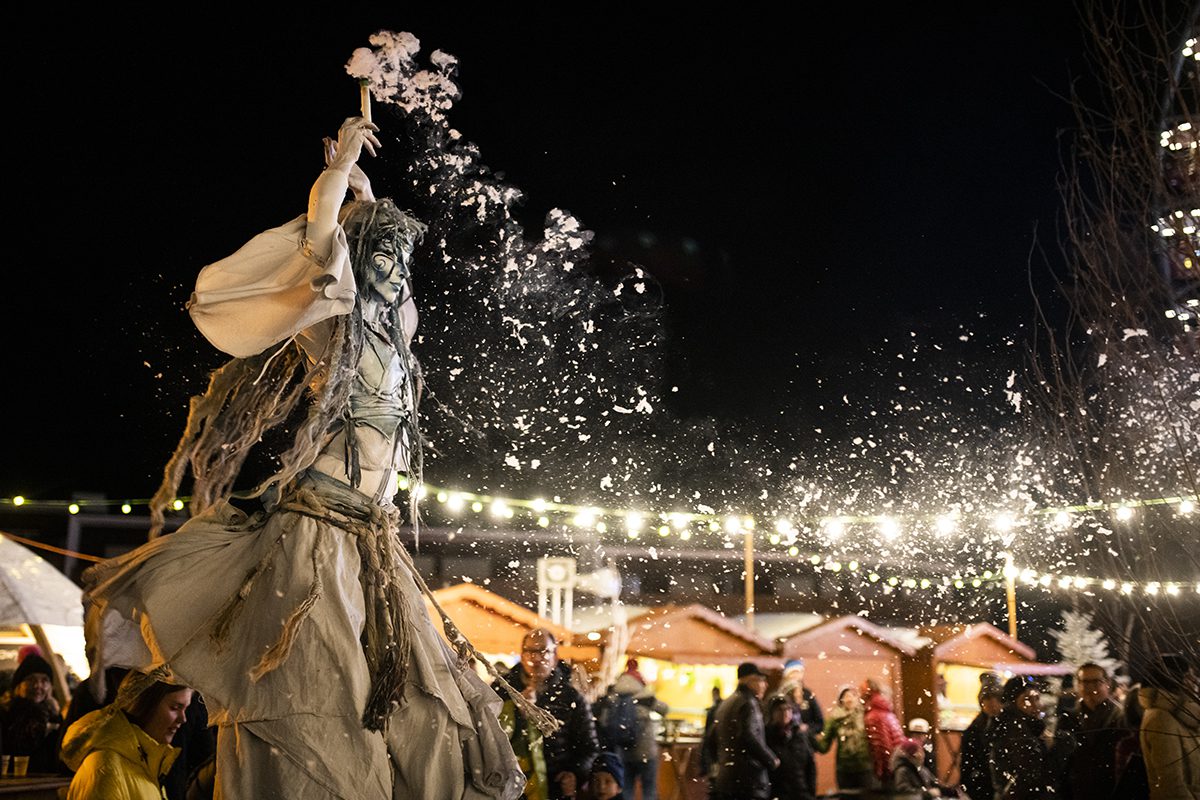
{"x": 909, "y": 773}
{"x": 975, "y": 773}
{"x": 1099, "y": 725}
{"x": 744, "y": 760}
{"x": 790, "y": 780}
{"x": 807, "y": 717}
{"x": 1019, "y": 768}
{"x": 29, "y": 725}
{"x": 1132, "y": 782}
{"x": 541, "y": 677}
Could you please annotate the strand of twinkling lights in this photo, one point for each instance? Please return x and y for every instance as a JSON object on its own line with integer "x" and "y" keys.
{"x": 684, "y": 523}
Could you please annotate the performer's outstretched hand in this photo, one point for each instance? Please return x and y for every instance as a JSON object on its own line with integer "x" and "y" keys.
{"x": 355, "y": 134}
{"x": 359, "y": 183}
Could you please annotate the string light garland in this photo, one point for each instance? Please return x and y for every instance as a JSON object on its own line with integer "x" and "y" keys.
{"x": 782, "y": 532}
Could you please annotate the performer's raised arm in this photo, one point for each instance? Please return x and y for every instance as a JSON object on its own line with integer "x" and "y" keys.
{"x": 325, "y": 199}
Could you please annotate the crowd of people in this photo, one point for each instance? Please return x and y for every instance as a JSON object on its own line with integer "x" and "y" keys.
{"x": 132, "y": 735}
{"x": 1090, "y": 747}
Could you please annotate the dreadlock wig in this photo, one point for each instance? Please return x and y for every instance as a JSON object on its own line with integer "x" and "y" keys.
{"x": 247, "y": 397}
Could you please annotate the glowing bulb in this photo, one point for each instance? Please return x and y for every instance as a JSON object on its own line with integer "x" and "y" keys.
{"x": 18, "y": 500}
{"x": 945, "y": 524}
{"x": 889, "y": 528}
{"x": 834, "y": 528}
{"x": 925, "y": 583}
{"x": 732, "y": 524}
{"x": 477, "y": 506}
{"x": 1010, "y": 572}
{"x": 442, "y": 497}
{"x": 177, "y": 505}
{"x": 685, "y": 534}
{"x": 814, "y": 560}
{"x": 633, "y": 522}
{"x": 958, "y": 584}
{"x": 1152, "y": 587}
{"x": 455, "y": 502}
{"x": 126, "y": 508}
{"x": 1172, "y": 588}
{"x": 585, "y": 519}
{"x": 793, "y": 551}
{"x": 976, "y": 583}
{"x": 775, "y": 538}
{"x": 678, "y": 521}
{"x": 1187, "y": 507}
{"x": 783, "y": 526}
{"x": 836, "y": 566}
{"x": 1046, "y": 580}
{"x": 1082, "y": 583}
{"x": 601, "y": 527}
{"x": 1126, "y": 588}
{"x": 1124, "y": 513}
{"x": 1062, "y": 519}
{"x": 74, "y": 508}
{"x": 499, "y": 508}
{"x": 873, "y": 577}
{"x": 664, "y": 530}
{"x": 543, "y": 522}
{"x": 1064, "y": 583}
{"x": 538, "y": 505}
{"x": 1109, "y": 584}
{"x": 853, "y": 566}
{"x": 402, "y": 483}
{"x": 631, "y": 534}
{"x": 748, "y": 523}
{"x": 1003, "y": 523}
{"x": 892, "y": 581}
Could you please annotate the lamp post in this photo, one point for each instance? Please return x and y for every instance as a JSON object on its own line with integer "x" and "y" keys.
{"x": 1010, "y": 588}
{"x": 748, "y": 553}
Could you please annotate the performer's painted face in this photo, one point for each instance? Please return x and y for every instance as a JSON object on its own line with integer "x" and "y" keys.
{"x": 387, "y": 270}
{"x": 387, "y": 274}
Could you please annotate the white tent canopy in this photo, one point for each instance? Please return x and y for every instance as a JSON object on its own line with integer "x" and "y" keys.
{"x": 34, "y": 593}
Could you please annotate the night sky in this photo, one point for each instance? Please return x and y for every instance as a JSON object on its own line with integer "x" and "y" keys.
{"x": 807, "y": 195}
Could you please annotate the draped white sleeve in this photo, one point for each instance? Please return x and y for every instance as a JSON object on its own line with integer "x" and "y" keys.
{"x": 270, "y": 290}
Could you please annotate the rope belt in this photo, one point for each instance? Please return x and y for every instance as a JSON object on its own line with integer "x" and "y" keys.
{"x": 387, "y": 632}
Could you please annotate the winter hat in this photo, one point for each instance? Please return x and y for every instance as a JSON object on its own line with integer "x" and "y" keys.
{"x": 32, "y": 665}
{"x": 748, "y": 668}
{"x": 631, "y": 668}
{"x": 918, "y": 725}
{"x": 910, "y": 747}
{"x": 610, "y": 763}
{"x": 28, "y": 650}
{"x": 795, "y": 663}
{"x": 1015, "y": 687}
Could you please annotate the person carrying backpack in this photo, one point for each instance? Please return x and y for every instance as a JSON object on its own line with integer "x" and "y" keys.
{"x": 625, "y": 722}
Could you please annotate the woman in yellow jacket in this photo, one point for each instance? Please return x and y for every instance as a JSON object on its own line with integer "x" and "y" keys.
{"x": 123, "y": 751}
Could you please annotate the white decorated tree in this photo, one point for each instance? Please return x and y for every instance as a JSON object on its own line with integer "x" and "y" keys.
{"x": 1079, "y": 643}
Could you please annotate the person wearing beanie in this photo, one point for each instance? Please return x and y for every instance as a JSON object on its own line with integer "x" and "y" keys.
{"x": 975, "y": 775}
{"x": 909, "y": 773}
{"x": 607, "y": 778}
{"x": 29, "y": 723}
{"x": 808, "y": 721}
{"x": 1019, "y": 762}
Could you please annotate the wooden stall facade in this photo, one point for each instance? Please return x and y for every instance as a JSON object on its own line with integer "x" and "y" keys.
{"x": 496, "y": 625}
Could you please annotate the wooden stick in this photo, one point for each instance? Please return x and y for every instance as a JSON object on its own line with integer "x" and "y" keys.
{"x": 364, "y": 95}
